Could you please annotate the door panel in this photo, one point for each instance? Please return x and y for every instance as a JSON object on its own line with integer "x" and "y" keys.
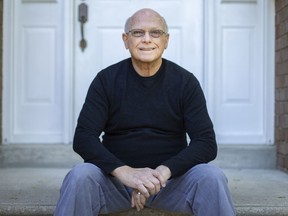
{"x": 240, "y": 74}
{"x": 36, "y": 113}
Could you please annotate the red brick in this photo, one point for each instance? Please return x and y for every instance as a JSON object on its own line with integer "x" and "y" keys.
{"x": 281, "y": 29}
{"x": 280, "y": 108}
{"x": 286, "y": 139}
{"x": 280, "y": 160}
{"x": 285, "y": 162}
{"x": 282, "y": 42}
{"x": 285, "y": 80}
{"x": 283, "y": 149}
{"x": 276, "y": 122}
{"x": 280, "y": 81}
{"x": 282, "y": 68}
{"x": 284, "y": 122}
{"x": 279, "y": 4}
{"x": 286, "y": 106}
{"x": 279, "y": 135}
{"x": 280, "y": 94}
{"x": 284, "y": 55}
{"x": 282, "y": 14}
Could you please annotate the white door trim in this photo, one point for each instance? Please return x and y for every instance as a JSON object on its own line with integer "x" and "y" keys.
{"x": 8, "y": 18}
{"x": 68, "y": 70}
{"x": 269, "y": 54}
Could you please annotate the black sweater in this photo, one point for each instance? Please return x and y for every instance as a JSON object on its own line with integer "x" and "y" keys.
{"x": 145, "y": 120}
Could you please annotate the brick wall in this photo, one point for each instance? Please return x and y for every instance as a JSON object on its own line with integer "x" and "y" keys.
{"x": 281, "y": 83}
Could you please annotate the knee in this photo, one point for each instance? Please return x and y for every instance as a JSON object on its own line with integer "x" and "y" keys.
{"x": 210, "y": 175}
{"x": 81, "y": 174}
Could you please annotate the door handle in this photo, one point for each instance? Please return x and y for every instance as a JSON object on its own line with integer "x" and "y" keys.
{"x": 82, "y": 17}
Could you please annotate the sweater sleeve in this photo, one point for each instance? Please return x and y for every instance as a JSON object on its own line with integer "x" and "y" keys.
{"x": 202, "y": 147}
{"x": 90, "y": 125}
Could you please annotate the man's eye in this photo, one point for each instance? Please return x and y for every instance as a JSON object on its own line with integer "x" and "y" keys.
{"x": 138, "y": 33}
{"x": 156, "y": 33}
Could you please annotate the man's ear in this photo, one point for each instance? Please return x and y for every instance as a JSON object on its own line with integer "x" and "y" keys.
{"x": 125, "y": 39}
{"x": 167, "y": 41}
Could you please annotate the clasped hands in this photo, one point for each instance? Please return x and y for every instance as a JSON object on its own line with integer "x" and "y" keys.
{"x": 144, "y": 181}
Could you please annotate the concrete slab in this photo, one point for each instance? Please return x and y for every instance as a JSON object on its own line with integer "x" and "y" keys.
{"x": 259, "y": 191}
{"x": 34, "y": 191}
{"x": 63, "y": 156}
{"x": 30, "y": 186}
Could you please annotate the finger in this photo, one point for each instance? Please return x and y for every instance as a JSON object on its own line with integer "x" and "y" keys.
{"x": 160, "y": 178}
{"x": 153, "y": 176}
{"x": 143, "y": 201}
{"x": 143, "y": 190}
{"x": 135, "y": 203}
{"x": 138, "y": 207}
{"x": 151, "y": 187}
{"x": 157, "y": 186}
{"x": 140, "y": 201}
{"x": 153, "y": 184}
{"x": 133, "y": 200}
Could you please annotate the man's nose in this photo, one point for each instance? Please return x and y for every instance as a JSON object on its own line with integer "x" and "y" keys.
{"x": 146, "y": 37}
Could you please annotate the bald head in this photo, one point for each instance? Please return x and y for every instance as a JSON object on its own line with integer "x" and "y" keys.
{"x": 145, "y": 13}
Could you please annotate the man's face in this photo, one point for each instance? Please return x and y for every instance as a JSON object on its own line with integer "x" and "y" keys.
{"x": 143, "y": 42}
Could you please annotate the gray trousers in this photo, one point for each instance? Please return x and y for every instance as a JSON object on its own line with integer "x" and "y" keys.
{"x": 202, "y": 191}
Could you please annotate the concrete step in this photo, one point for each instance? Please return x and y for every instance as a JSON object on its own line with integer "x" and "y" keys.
{"x": 34, "y": 192}
{"x": 59, "y": 156}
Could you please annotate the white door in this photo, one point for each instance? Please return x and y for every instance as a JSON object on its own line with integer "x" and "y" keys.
{"x": 240, "y": 70}
{"x": 35, "y": 79}
{"x": 104, "y": 28}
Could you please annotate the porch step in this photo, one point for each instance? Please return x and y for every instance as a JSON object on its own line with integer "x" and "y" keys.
{"x": 62, "y": 156}
{"x": 31, "y": 175}
{"x": 34, "y": 192}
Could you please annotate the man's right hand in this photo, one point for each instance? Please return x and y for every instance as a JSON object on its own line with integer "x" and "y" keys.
{"x": 145, "y": 180}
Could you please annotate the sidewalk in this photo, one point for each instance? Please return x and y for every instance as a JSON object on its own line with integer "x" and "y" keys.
{"x": 34, "y": 190}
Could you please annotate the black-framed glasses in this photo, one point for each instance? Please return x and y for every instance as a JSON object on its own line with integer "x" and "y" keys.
{"x": 156, "y": 33}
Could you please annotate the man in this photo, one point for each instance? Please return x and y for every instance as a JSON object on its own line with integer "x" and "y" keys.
{"x": 145, "y": 105}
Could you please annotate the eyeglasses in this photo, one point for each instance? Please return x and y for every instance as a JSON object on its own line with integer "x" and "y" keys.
{"x": 140, "y": 33}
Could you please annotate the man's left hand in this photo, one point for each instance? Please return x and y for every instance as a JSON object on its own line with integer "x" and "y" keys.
{"x": 138, "y": 200}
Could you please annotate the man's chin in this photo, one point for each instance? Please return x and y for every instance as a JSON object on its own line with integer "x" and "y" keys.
{"x": 147, "y": 60}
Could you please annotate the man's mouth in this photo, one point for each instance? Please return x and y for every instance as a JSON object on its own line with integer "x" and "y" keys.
{"x": 147, "y": 49}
